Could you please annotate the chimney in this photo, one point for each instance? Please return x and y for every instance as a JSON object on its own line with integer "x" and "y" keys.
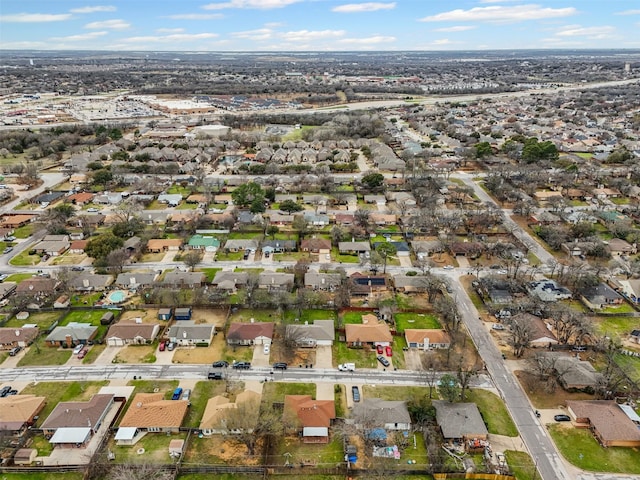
{"x": 68, "y": 340}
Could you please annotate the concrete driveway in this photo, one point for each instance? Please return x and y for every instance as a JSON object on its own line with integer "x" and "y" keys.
{"x": 12, "y": 362}
{"x": 107, "y": 356}
{"x": 324, "y": 391}
{"x": 324, "y": 357}
{"x": 259, "y": 358}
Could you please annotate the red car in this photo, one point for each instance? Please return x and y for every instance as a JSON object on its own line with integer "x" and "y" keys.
{"x": 388, "y": 351}
{"x": 379, "y": 349}
{"x": 161, "y": 347}
{"x": 83, "y": 353}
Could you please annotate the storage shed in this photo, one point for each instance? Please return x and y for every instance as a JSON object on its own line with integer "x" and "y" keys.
{"x": 107, "y": 318}
{"x": 183, "y": 313}
{"x": 165, "y": 313}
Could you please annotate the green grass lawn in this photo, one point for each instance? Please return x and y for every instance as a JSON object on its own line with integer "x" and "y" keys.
{"x": 221, "y": 255}
{"x": 361, "y": 357}
{"x": 43, "y": 476}
{"x": 85, "y": 300}
{"x": 41, "y": 354}
{"x": 41, "y": 444}
{"x": 42, "y": 319}
{"x": 323, "y": 455}
{"x": 415, "y": 320}
{"x": 245, "y": 235}
{"x": 493, "y": 412}
{"x": 615, "y": 327}
{"x": 57, "y": 392}
{"x": 275, "y": 392}
{"x": 629, "y": 364}
{"x": 237, "y": 353}
{"x": 152, "y": 386}
{"x": 622, "y": 308}
{"x": 520, "y": 464}
{"x": 392, "y": 393}
{"x": 309, "y": 315}
{"x": 83, "y": 316}
{"x": 156, "y": 446}
{"x": 24, "y": 259}
{"x": 200, "y": 395}
{"x": 210, "y": 273}
{"x": 187, "y": 206}
{"x": 340, "y": 400}
{"x": 24, "y": 232}
{"x": 353, "y": 317}
{"x": 399, "y": 342}
{"x": 246, "y": 314}
{"x": 18, "y": 277}
{"x": 581, "y": 449}
{"x": 93, "y": 353}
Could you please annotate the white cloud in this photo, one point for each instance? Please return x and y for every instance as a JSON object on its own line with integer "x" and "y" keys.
{"x": 81, "y": 37}
{"x": 250, "y": 4}
{"x": 35, "y": 17}
{"x": 628, "y": 12}
{"x": 604, "y": 31}
{"x": 363, "y": 7}
{"x": 501, "y": 14}
{"x": 376, "y": 39}
{"x": 97, "y": 8}
{"x": 259, "y": 34}
{"x": 310, "y": 35}
{"x": 115, "y": 24}
{"x": 178, "y": 37}
{"x": 457, "y": 28}
{"x": 169, "y": 30}
{"x": 195, "y": 16}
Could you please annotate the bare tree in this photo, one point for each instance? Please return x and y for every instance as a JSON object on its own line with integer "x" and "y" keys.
{"x": 144, "y": 471}
{"x": 520, "y": 336}
{"x": 117, "y": 259}
{"x": 249, "y": 428}
{"x": 192, "y": 258}
{"x": 464, "y": 376}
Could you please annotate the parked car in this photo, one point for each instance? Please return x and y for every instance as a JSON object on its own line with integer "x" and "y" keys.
{"x": 92, "y": 210}
{"x": 177, "y": 393}
{"x": 78, "y": 348}
{"x": 280, "y": 365}
{"x": 562, "y": 418}
{"x": 171, "y": 346}
{"x": 388, "y": 351}
{"x": 10, "y": 238}
{"x": 77, "y": 269}
{"x": 383, "y": 361}
{"x": 186, "y": 394}
{"x": 3, "y": 277}
{"x": 215, "y": 376}
{"x": 83, "y": 353}
{"x": 5, "y": 391}
{"x": 220, "y": 364}
{"x": 14, "y": 351}
{"x": 497, "y": 326}
{"x": 379, "y": 349}
{"x": 162, "y": 346}
{"x": 241, "y": 365}
{"x": 267, "y": 349}
{"x": 356, "y": 393}
{"x": 8, "y": 250}
{"x": 448, "y": 267}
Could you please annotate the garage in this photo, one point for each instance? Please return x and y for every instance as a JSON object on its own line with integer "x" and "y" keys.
{"x": 115, "y": 342}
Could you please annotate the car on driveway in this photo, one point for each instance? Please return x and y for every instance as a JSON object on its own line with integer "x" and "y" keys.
{"x": 383, "y": 361}
{"x": 78, "y": 349}
{"x": 388, "y": 351}
{"x": 448, "y": 267}
{"x": 356, "y": 393}
{"x": 92, "y": 210}
{"x": 83, "y": 353}
{"x": 267, "y": 349}
{"x": 8, "y": 250}
{"x": 497, "y": 326}
{"x": 562, "y": 418}
{"x": 161, "y": 346}
{"x": 220, "y": 364}
{"x": 379, "y": 349}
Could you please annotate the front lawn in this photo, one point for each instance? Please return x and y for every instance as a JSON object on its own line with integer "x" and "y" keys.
{"x": 200, "y": 395}
{"x": 416, "y": 320}
{"x": 210, "y": 273}
{"x": 23, "y": 259}
{"x": 154, "y": 386}
{"x": 274, "y": 392}
{"x": 40, "y": 353}
{"x": 493, "y": 412}
{"x": 24, "y": 232}
{"x": 581, "y": 449}
{"x": 363, "y": 358}
{"x": 520, "y": 464}
{"x": 18, "y": 277}
{"x": 221, "y": 255}
{"x": 93, "y": 353}
{"x": 391, "y": 393}
{"x": 399, "y": 344}
{"x": 56, "y": 392}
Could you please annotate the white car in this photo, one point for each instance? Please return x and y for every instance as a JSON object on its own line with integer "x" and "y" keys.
{"x": 267, "y": 348}
{"x": 92, "y": 210}
{"x": 448, "y": 267}
{"x": 497, "y": 326}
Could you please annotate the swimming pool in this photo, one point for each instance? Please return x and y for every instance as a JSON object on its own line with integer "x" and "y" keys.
{"x": 117, "y": 296}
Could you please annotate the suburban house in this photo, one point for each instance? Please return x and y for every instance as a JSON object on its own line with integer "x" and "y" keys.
{"x": 17, "y": 413}
{"x": 427, "y": 339}
{"x": 201, "y": 242}
{"x": 607, "y": 421}
{"x": 179, "y": 279}
{"x": 80, "y": 198}
{"x": 572, "y": 373}
{"x": 172, "y": 199}
{"x": 89, "y": 282}
{"x": 322, "y": 281}
{"x": 71, "y": 424}
{"x": 71, "y": 334}
{"x": 122, "y": 334}
{"x": 358, "y": 335}
{"x": 230, "y": 281}
{"x": 136, "y": 279}
{"x": 275, "y": 280}
{"x": 161, "y": 245}
{"x": 190, "y": 334}
{"x": 77, "y": 247}
{"x": 460, "y": 421}
{"x": 217, "y": 411}
{"x": 38, "y": 288}
{"x": 367, "y": 284}
{"x": 376, "y": 413}
{"x": 16, "y": 221}
{"x": 600, "y": 296}
{"x": 53, "y": 245}
{"x": 237, "y": 245}
{"x": 321, "y": 246}
{"x": 17, "y": 337}
{"x": 279, "y": 246}
{"x": 354, "y": 248}
{"x": 255, "y": 333}
{"x": 618, "y": 247}
{"x": 466, "y": 249}
{"x": 320, "y": 332}
{"x": 410, "y": 284}
{"x": 311, "y": 417}
{"x": 548, "y": 291}
{"x": 541, "y": 334}
{"x": 150, "y": 412}
{"x": 630, "y": 288}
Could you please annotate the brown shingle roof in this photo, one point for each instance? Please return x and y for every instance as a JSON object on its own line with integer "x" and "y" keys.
{"x": 78, "y": 414}
{"x": 129, "y": 331}
{"x": 367, "y": 333}
{"x": 15, "y": 410}
{"x": 607, "y": 418}
{"x": 417, "y": 335}
{"x": 150, "y": 410}
{"x": 9, "y": 335}
{"x": 311, "y": 413}
{"x": 250, "y": 331}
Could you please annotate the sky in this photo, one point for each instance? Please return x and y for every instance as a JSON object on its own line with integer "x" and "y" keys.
{"x": 318, "y": 25}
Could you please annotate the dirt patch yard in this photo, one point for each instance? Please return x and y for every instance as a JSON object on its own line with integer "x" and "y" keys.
{"x": 147, "y": 316}
{"x": 542, "y": 398}
{"x": 201, "y": 354}
{"x": 219, "y": 450}
{"x": 212, "y": 317}
{"x": 136, "y": 354}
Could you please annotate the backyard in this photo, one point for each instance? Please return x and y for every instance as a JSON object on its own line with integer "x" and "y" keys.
{"x": 43, "y": 320}
{"x": 416, "y": 320}
{"x": 493, "y": 412}
{"x": 201, "y": 394}
{"x": 152, "y": 448}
